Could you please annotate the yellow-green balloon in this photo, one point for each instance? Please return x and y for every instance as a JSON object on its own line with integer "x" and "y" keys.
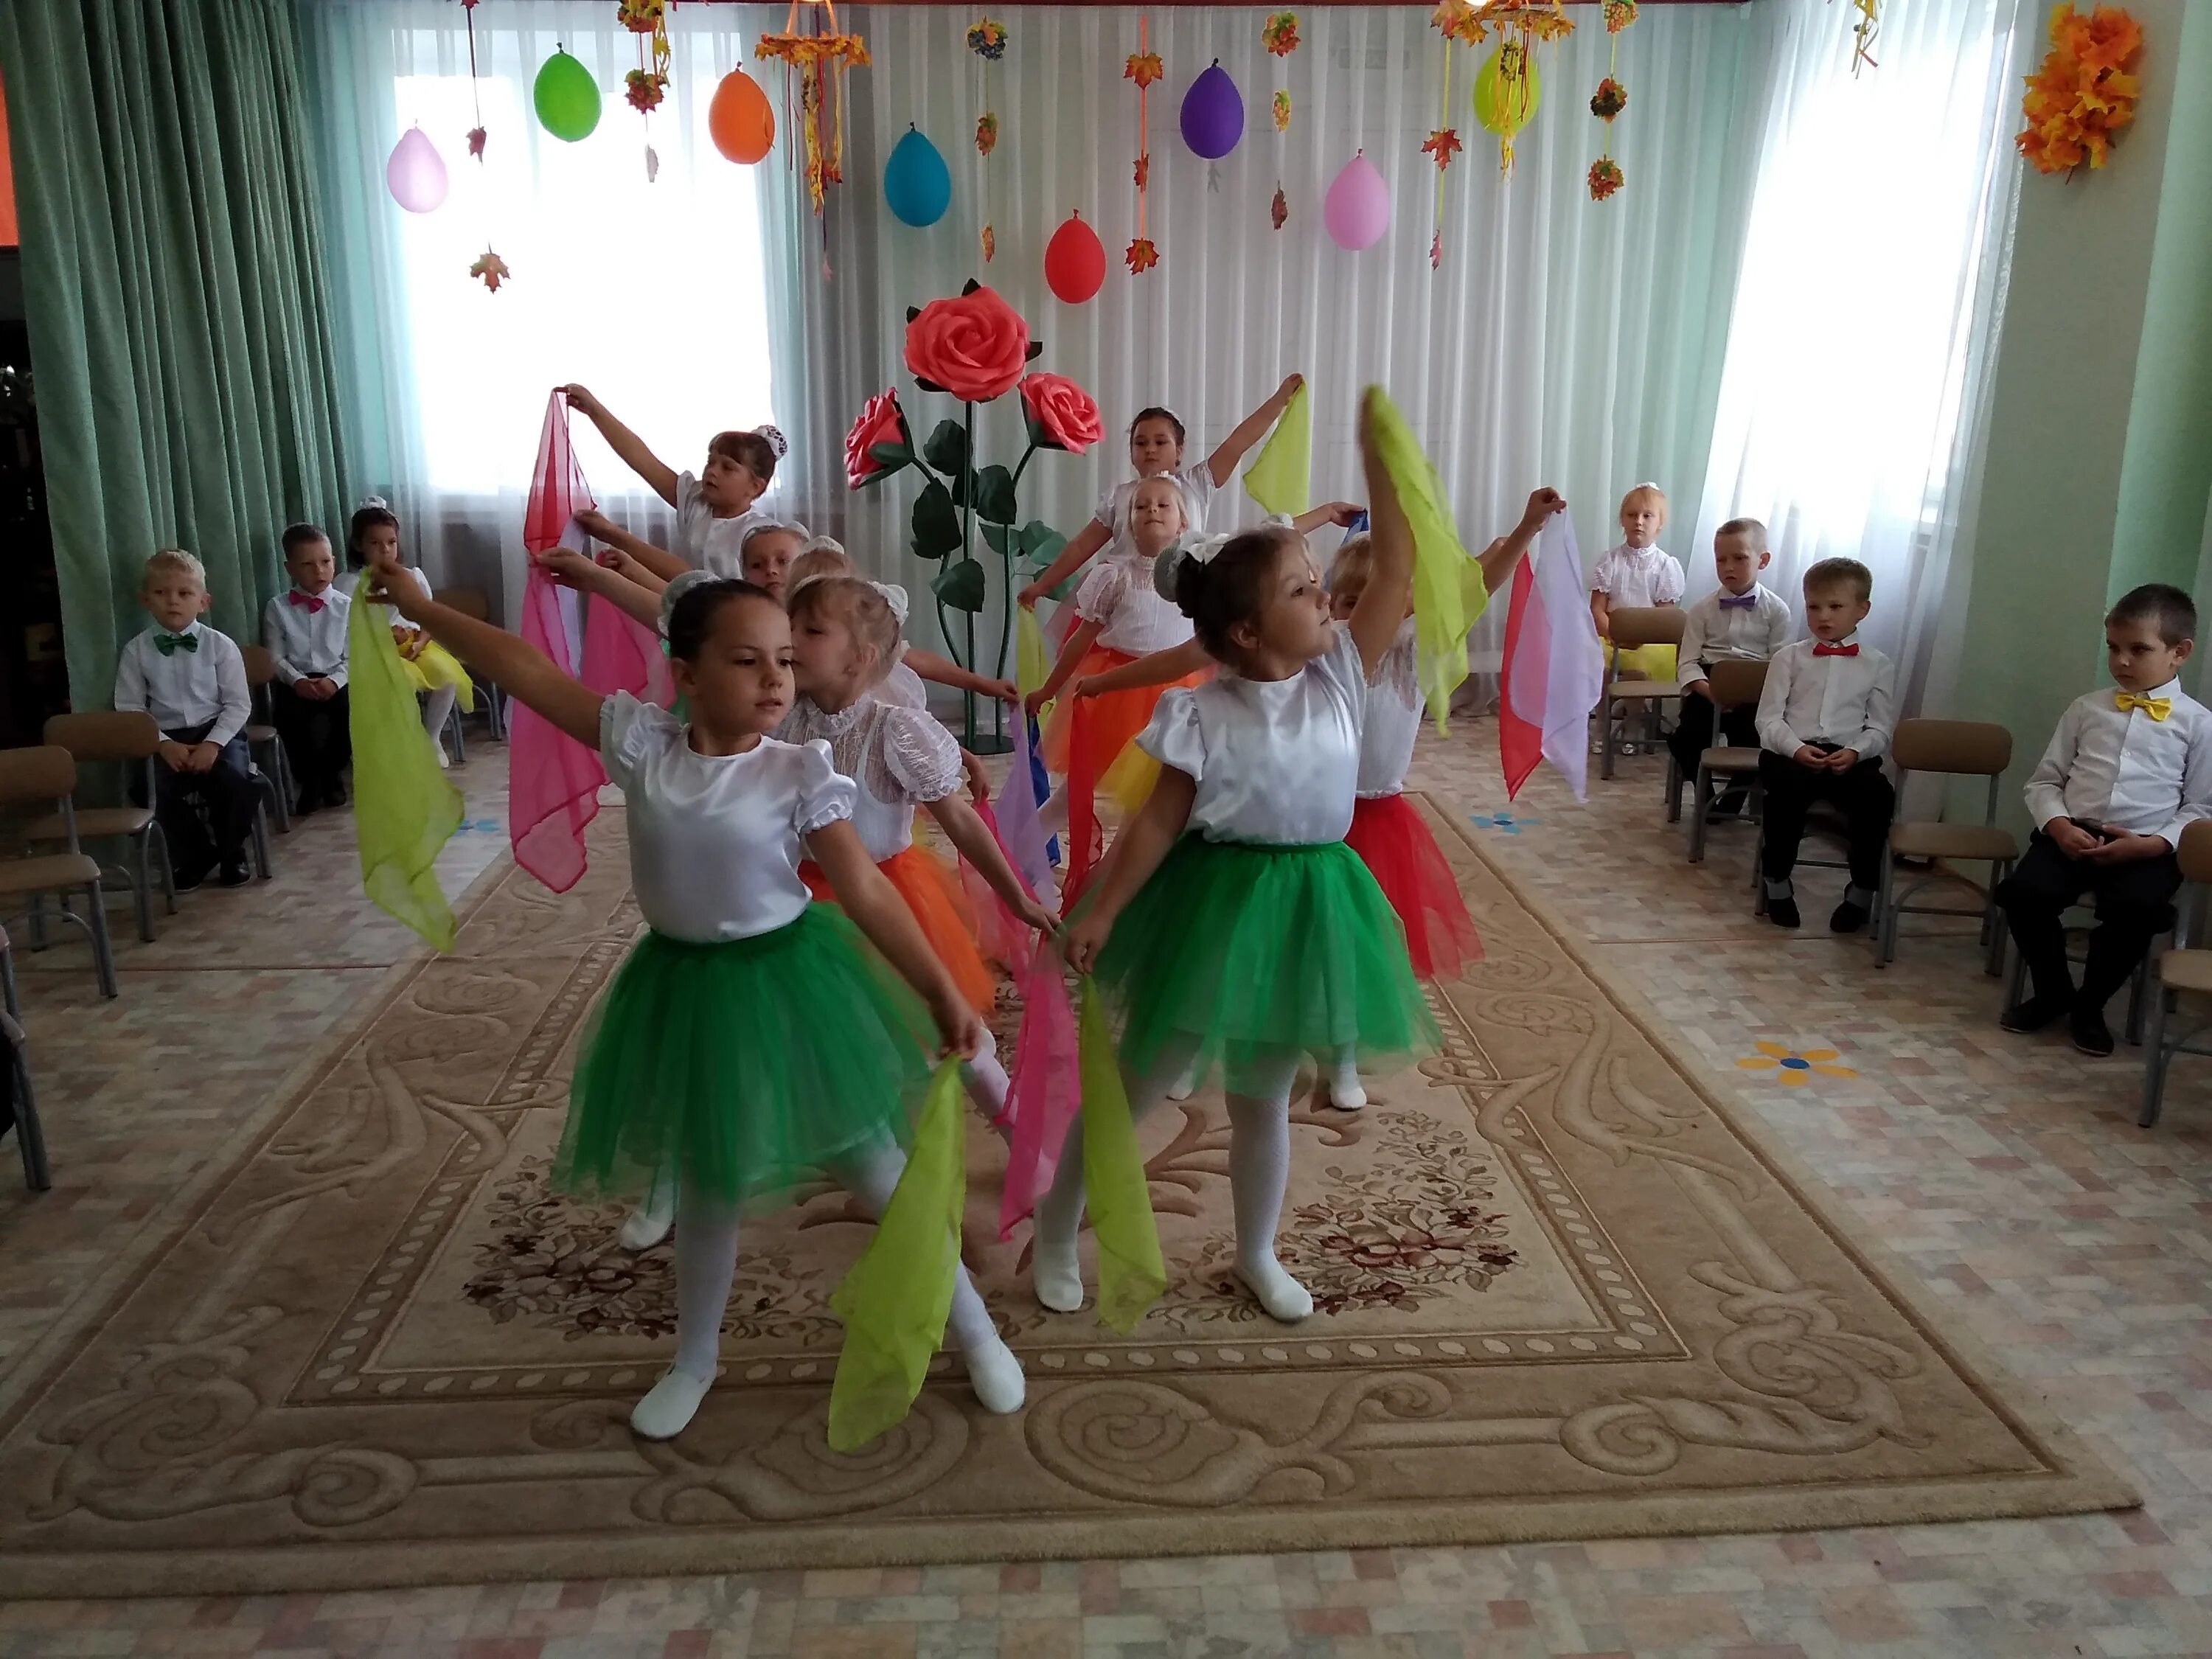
{"x": 566, "y": 97}
{"x": 1500, "y": 106}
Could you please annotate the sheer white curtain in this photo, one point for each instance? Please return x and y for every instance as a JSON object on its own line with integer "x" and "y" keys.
{"x": 1871, "y": 295}
{"x": 653, "y": 293}
{"x": 1562, "y": 340}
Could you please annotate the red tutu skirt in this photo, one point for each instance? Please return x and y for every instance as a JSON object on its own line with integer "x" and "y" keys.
{"x": 1091, "y": 742}
{"x": 1409, "y": 867}
{"x": 934, "y": 896}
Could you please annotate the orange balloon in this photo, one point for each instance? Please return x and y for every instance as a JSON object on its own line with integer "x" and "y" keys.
{"x": 740, "y": 120}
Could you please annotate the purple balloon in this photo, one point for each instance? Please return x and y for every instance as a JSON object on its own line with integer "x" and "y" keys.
{"x": 1213, "y": 115}
{"x": 415, "y": 174}
{"x": 1357, "y": 209}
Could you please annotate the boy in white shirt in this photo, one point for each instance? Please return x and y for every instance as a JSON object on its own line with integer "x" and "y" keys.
{"x": 2124, "y": 772}
{"x": 1825, "y": 721}
{"x": 305, "y": 629}
{"x": 1742, "y": 620}
{"x": 192, "y": 681}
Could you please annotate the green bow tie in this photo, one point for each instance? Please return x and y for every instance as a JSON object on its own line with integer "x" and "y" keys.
{"x": 169, "y": 644}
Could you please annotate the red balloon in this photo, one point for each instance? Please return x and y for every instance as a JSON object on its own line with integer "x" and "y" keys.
{"x": 1074, "y": 262}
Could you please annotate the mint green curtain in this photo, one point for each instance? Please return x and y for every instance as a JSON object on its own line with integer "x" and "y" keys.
{"x": 173, "y": 279}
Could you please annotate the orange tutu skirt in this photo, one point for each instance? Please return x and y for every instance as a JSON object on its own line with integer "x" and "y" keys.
{"x": 1091, "y": 742}
{"x": 934, "y": 896}
{"x": 1409, "y": 867}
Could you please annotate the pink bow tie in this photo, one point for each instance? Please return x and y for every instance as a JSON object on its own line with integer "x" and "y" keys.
{"x": 307, "y": 602}
{"x": 1835, "y": 651}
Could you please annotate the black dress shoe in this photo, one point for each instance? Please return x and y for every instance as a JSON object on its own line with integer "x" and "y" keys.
{"x": 2091, "y": 1035}
{"x": 234, "y": 875}
{"x": 305, "y": 806}
{"x": 186, "y": 877}
{"x": 1782, "y": 911}
{"x": 2034, "y": 1014}
{"x": 1849, "y": 918}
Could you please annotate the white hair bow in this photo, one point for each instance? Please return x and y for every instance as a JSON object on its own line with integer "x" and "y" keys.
{"x": 1203, "y": 550}
{"x": 895, "y": 597}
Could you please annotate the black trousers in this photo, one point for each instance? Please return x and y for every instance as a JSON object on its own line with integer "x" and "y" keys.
{"x": 2134, "y": 907}
{"x": 318, "y": 739}
{"x": 224, "y": 793}
{"x": 1863, "y": 794}
{"x": 1693, "y": 730}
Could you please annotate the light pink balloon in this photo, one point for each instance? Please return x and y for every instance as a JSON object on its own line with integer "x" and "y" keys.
{"x": 415, "y": 174}
{"x": 1357, "y": 209}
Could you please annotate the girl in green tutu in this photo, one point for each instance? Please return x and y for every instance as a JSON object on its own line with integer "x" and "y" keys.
{"x": 1232, "y": 926}
{"x": 750, "y": 1041}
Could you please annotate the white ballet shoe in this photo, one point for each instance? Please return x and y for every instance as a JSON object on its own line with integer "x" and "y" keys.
{"x": 1057, "y": 1273}
{"x": 1184, "y": 1086}
{"x": 1282, "y": 1296}
{"x": 646, "y": 1226}
{"x": 996, "y": 1376}
{"x": 1345, "y": 1090}
{"x": 667, "y": 1411}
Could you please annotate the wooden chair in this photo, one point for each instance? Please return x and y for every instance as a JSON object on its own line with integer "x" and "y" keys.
{"x": 2185, "y": 971}
{"x": 30, "y": 1139}
{"x": 261, "y": 735}
{"x": 1735, "y": 684}
{"x": 1631, "y": 629}
{"x": 1957, "y": 749}
{"x": 45, "y": 778}
{"x": 8, "y": 997}
{"x": 132, "y": 739}
{"x": 471, "y": 603}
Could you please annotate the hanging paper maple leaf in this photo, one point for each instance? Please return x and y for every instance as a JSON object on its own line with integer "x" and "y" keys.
{"x": 990, "y": 244}
{"x": 1141, "y": 256}
{"x": 490, "y": 270}
{"x": 477, "y": 142}
{"x": 1279, "y": 33}
{"x": 646, "y": 89}
{"x": 1455, "y": 20}
{"x": 1443, "y": 144}
{"x": 2081, "y": 96}
{"x": 1144, "y": 68}
{"x": 1279, "y": 211}
{"x": 1144, "y": 169}
{"x": 1605, "y": 178}
{"x": 1437, "y": 251}
{"x": 986, "y": 133}
{"x": 641, "y": 16}
{"x": 1282, "y": 112}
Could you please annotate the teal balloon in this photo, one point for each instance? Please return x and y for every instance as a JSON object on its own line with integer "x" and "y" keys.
{"x": 566, "y": 98}
{"x": 917, "y": 184}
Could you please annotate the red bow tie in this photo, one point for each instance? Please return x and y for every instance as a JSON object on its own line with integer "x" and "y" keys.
{"x": 307, "y": 602}
{"x": 1835, "y": 650}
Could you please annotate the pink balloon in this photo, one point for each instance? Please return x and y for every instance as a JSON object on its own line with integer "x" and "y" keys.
{"x": 415, "y": 174}
{"x": 1357, "y": 209}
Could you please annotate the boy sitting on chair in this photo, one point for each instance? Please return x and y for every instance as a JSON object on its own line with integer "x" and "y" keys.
{"x": 305, "y": 629}
{"x": 1742, "y": 620}
{"x": 192, "y": 681}
{"x": 2125, "y": 770}
{"x": 1825, "y": 721}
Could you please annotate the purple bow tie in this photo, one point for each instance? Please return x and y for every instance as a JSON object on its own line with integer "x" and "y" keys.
{"x": 1738, "y": 601}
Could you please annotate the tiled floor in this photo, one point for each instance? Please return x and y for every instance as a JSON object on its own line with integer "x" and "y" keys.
{"x": 2007, "y": 1172}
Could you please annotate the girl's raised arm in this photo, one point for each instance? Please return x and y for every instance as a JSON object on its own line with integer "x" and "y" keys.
{"x": 658, "y": 475}
{"x": 1253, "y": 428}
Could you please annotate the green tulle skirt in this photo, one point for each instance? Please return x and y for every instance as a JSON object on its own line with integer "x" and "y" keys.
{"x": 741, "y": 1070}
{"x": 1255, "y": 950}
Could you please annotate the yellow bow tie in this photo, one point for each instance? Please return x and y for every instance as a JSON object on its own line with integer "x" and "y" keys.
{"x": 2157, "y": 708}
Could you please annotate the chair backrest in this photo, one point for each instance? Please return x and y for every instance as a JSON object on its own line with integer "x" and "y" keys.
{"x": 261, "y": 666}
{"x": 46, "y": 775}
{"x": 2196, "y": 850}
{"x": 469, "y": 601}
{"x": 1735, "y": 681}
{"x": 1977, "y": 748}
{"x": 1658, "y": 624}
{"x": 125, "y": 735}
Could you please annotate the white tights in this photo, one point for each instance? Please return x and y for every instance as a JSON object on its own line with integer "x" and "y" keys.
{"x": 437, "y": 707}
{"x": 1259, "y": 1174}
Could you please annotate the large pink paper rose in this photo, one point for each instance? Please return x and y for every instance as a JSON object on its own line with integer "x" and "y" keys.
{"x": 1062, "y": 414}
{"x": 973, "y": 346}
{"x": 883, "y": 421}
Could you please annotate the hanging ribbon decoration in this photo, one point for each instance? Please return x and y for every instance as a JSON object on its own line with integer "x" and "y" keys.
{"x": 820, "y": 59}
{"x": 476, "y": 97}
{"x": 1279, "y": 34}
{"x": 1610, "y": 99}
{"x": 1453, "y": 23}
{"x": 1144, "y": 68}
{"x": 647, "y": 84}
{"x": 986, "y": 38}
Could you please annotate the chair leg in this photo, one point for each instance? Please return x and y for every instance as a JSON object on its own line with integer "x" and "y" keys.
{"x": 2155, "y": 1061}
{"x": 1700, "y": 788}
{"x": 30, "y": 1138}
{"x": 1993, "y": 924}
{"x": 8, "y": 998}
{"x": 37, "y": 918}
{"x": 155, "y": 834}
{"x": 1604, "y": 707}
{"x": 141, "y": 893}
{"x": 1673, "y": 788}
{"x": 103, "y": 955}
{"x": 287, "y": 791}
{"x": 2138, "y": 984}
{"x": 454, "y": 731}
{"x": 1884, "y": 913}
{"x": 261, "y": 841}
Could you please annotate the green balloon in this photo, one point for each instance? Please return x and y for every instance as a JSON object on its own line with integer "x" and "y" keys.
{"x": 566, "y": 97}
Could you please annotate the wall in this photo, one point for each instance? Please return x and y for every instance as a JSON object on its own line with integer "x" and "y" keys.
{"x": 2098, "y": 458}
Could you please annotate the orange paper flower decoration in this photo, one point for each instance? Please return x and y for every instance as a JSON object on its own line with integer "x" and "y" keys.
{"x": 1144, "y": 68}
{"x": 2083, "y": 95}
{"x": 1141, "y": 256}
{"x": 1605, "y": 178}
{"x": 1279, "y": 33}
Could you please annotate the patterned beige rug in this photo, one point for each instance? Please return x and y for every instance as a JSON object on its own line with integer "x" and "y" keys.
{"x": 1562, "y": 1293}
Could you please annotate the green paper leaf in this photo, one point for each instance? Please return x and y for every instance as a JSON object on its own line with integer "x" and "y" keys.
{"x": 997, "y": 536}
{"x": 889, "y": 459}
{"x": 995, "y": 495}
{"x": 947, "y": 448}
{"x": 936, "y": 522}
{"x": 970, "y": 287}
{"x": 913, "y": 311}
{"x": 961, "y": 585}
{"x": 1041, "y": 541}
{"x": 1035, "y": 351}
